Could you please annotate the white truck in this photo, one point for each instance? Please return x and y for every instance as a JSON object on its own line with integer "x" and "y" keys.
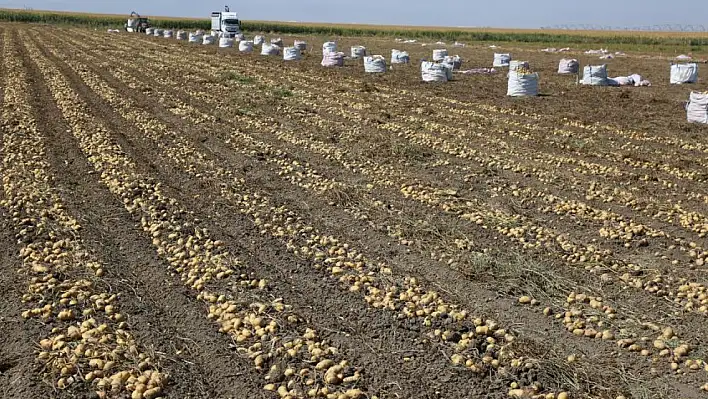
{"x": 225, "y": 23}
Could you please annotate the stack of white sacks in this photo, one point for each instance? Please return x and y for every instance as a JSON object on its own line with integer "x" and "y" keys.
{"x": 245, "y": 46}
{"x": 501, "y": 60}
{"x": 522, "y": 81}
{"x": 330, "y": 56}
{"x": 697, "y": 107}
{"x": 329, "y": 47}
{"x": 195, "y": 38}
{"x": 684, "y": 73}
{"x": 439, "y": 54}
{"x": 568, "y": 66}
{"x": 454, "y": 62}
{"x": 270, "y": 49}
{"x": 374, "y": 64}
{"x": 595, "y": 75}
{"x": 358, "y": 52}
{"x": 435, "y": 71}
{"x": 208, "y": 39}
{"x": 291, "y": 54}
{"x": 226, "y": 42}
{"x": 399, "y": 57}
{"x": 516, "y": 65}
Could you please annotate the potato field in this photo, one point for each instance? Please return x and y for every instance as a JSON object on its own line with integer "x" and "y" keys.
{"x": 187, "y": 221}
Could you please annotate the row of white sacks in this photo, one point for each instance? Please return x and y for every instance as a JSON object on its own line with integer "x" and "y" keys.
{"x": 225, "y": 42}
{"x": 596, "y": 75}
{"x": 592, "y": 75}
{"x": 521, "y": 82}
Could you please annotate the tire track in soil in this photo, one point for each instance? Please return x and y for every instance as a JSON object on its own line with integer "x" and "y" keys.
{"x": 331, "y": 222}
{"x": 19, "y": 374}
{"x": 198, "y": 361}
{"x": 364, "y": 335}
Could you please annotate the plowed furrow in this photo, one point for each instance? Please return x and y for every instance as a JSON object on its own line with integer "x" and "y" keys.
{"x": 572, "y": 328}
{"x": 448, "y": 116}
{"x": 610, "y": 233}
{"x": 196, "y": 357}
{"x": 85, "y": 340}
{"x": 104, "y": 160}
{"x": 370, "y": 336}
{"x": 423, "y": 93}
{"x": 360, "y": 273}
{"x": 20, "y": 376}
{"x": 614, "y": 323}
{"x": 594, "y": 191}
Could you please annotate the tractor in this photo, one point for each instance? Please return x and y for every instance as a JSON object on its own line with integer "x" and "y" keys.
{"x": 136, "y": 23}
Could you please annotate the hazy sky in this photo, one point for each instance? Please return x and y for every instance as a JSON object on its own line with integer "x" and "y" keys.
{"x": 495, "y": 13}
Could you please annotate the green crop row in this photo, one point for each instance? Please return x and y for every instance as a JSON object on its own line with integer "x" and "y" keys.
{"x": 367, "y": 30}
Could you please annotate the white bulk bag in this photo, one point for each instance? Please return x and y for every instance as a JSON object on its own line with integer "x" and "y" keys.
{"x": 620, "y": 81}
{"x": 239, "y": 37}
{"x": 516, "y": 65}
{"x": 454, "y": 62}
{"x": 332, "y": 59}
{"x": 566, "y": 67}
{"x": 181, "y": 35}
{"x": 697, "y": 108}
{"x": 358, "y": 51}
{"x": 684, "y": 73}
{"x": 300, "y": 45}
{"x": 522, "y": 84}
{"x": 501, "y": 60}
{"x": 291, "y": 54}
{"x": 167, "y": 34}
{"x": 226, "y": 42}
{"x": 150, "y": 31}
{"x": 258, "y": 40}
{"x": 434, "y": 72}
{"x": 329, "y": 47}
{"x": 245, "y": 46}
{"x": 277, "y": 42}
{"x": 375, "y": 64}
{"x": 439, "y": 54}
{"x": 595, "y": 75}
{"x": 399, "y": 57}
{"x": 208, "y": 39}
{"x": 195, "y": 38}
{"x": 158, "y": 32}
{"x": 270, "y": 49}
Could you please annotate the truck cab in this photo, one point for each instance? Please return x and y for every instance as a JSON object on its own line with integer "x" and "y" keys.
{"x": 226, "y": 23}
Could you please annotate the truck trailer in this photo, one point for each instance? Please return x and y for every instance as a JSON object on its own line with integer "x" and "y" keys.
{"x": 225, "y": 23}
